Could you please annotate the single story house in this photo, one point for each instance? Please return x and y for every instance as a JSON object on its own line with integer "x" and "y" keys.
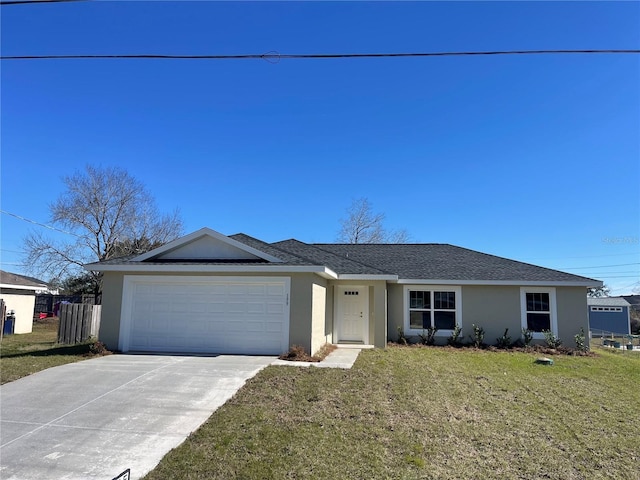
{"x": 609, "y": 315}
{"x": 207, "y": 292}
{"x": 19, "y": 295}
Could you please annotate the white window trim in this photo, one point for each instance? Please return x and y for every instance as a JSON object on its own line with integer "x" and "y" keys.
{"x": 431, "y": 288}
{"x": 552, "y": 308}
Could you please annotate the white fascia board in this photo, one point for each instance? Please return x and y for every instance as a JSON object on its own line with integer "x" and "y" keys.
{"x": 362, "y": 276}
{"x": 23, "y": 287}
{"x": 202, "y": 233}
{"x": 203, "y": 268}
{"x": 586, "y": 283}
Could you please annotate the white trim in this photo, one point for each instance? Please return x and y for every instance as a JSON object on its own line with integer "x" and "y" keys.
{"x": 364, "y": 276}
{"x": 208, "y": 268}
{"x": 553, "y": 308}
{"x": 128, "y": 294}
{"x": 430, "y": 288}
{"x": 517, "y": 283}
{"x": 204, "y": 232}
{"x": 338, "y": 289}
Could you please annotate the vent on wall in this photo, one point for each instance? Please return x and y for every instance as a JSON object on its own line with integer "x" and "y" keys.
{"x": 349, "y": 292}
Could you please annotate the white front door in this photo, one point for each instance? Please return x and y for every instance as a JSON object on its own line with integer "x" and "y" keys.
{"x": 352, "y": 314}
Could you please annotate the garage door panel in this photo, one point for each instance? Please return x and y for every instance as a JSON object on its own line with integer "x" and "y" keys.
{"x": 212, "y": 314}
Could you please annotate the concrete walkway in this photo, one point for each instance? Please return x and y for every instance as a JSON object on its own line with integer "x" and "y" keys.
{"x": 96, "y": 418}
{"x": 339, "y": 358}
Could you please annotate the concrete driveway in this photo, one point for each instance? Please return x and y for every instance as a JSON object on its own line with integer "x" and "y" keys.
{"x": 96, "y": 418}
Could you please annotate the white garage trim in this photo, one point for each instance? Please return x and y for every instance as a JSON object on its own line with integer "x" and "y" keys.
{"x": 129, "y": 290}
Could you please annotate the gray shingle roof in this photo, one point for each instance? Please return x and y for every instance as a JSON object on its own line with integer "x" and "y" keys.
{"x": 9, "y": 278}
{"x": 435, "y": 261}
{"x": 427, "y": 261}
{"x": 318, "y": 256}
{"x": 608, "y": 301}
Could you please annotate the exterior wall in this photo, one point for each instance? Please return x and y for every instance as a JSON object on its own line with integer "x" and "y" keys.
{"x": 572, "y": 314}
{"x": 111, "y": 309}
{"x": 318, "y": 317}
{"x": 300, "y": 309}
{"x": 23, "y": 303}
{"x": 495, "y": 308}
{"x": 616, "y": 322}
{"x": 377, "y": 308}
{"x": 395, "y": 316}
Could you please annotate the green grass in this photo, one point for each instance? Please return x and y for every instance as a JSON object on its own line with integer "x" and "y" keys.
{"x": 24, "y": 354}
{"x": 427, "y": 413}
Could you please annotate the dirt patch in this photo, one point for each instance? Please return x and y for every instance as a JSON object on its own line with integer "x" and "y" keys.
{"x": 297, "y": 354}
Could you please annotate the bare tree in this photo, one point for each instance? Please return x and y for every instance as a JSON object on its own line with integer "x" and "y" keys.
{"x": 109, "y": 213}
{"x": 598, "y": 292}
{"x": 362, "y": 225}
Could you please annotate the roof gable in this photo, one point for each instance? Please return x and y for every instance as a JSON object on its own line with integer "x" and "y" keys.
{"x": 206, "y": 244}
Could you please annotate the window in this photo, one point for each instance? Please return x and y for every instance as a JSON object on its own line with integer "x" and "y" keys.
{"x": 538, "y": 312}
{"x": 432, "y": 307}
{"x": 606, "y": 309}
{"x": 538, "y": 309}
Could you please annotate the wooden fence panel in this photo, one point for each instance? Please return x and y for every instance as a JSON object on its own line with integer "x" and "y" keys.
{"x": 96, "y": 316}
{"x": 3, "y": 313}
{"x": 75, "y": 323}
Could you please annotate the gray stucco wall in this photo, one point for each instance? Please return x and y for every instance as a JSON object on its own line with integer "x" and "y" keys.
{"x": 572, "y": 314}
{"x": 111, "y": 308}
{"x": 495, "y": 308}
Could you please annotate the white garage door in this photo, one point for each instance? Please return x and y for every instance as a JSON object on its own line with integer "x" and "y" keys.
{"x": 245, "y": 315}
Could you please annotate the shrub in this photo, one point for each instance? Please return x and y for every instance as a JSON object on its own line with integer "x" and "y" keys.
{"x": 454, "y": 339}
{"x": 581, "y": 344}
{"x": 477, "y": 339}
{"x": 527, "y": 337}
{"x": 98, "y": 348}
{"x": 428, "y": 336}
{"x": 402, "y": 340}
{"x": 505, "y": 340}
{"x": 551, "y": 339}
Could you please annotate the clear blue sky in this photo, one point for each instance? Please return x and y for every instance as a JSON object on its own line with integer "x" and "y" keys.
{"x": 535, "y": 158}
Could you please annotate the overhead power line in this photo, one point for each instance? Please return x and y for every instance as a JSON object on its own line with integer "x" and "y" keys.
{"x": 275, "y": 57}
{"x": 599, "y": 266}
{"x": 25, "y": 2}
{"x": 38, "y": 223}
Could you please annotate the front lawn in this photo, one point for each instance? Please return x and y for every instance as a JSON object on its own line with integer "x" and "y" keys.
{"x": 434, "y": 412}
{"x": 24, "y": 354}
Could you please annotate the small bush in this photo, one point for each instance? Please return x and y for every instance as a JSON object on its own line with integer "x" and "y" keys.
{"x": 296, "y": 353}
{"x": 428, "y": 336}
{"x": 402, "y": 340}
{"x": 477, "y": 339}
{"x": 552, "y": 340}
{"x": 527, "y": 337}
{"x": 98, "y": 348}
{"x": 505, "y": 340}
{"x": 581, "y": 344}
{"x": 454, "y": 339}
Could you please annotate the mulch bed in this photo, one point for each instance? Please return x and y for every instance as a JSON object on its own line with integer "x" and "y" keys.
{"x": 297, "y": 354}
{"x": 539, "y": 349}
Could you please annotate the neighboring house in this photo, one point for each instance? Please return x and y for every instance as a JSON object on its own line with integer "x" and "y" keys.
{"x": 207, "y": 292}
{"x": 610, "y": 315}
{"x": 19, "y": 295}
